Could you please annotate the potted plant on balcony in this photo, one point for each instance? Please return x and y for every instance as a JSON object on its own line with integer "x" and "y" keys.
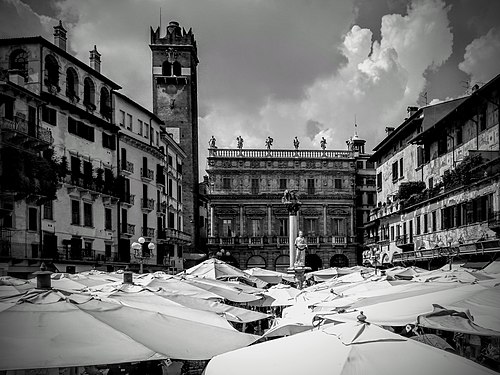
{"x": 99, "y": 181}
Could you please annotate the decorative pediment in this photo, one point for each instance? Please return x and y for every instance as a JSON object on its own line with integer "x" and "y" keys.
{"x": 310, "y": 212}
{"x": 223, "y": 211}
{"x": 337, "y": 212}
{"x": 254, "y": 212}
{"x": 280, "y": 211}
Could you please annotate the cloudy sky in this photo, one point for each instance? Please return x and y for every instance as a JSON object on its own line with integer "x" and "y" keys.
{"x": 287, "y": 68}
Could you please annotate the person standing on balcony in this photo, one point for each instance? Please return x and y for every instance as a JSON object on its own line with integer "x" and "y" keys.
{"x": 301, "y": 246}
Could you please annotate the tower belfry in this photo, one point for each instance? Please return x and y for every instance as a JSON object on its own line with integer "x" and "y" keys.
{"x": 174, "y": 63}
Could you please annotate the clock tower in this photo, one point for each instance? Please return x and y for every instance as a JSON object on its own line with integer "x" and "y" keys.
{"x": 174, "y": 62}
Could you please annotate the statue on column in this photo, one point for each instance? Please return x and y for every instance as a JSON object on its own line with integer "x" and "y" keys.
{"x": 301, "y": 246}
{"x": 296, "y": 143}
{"x": 291, "y": 201}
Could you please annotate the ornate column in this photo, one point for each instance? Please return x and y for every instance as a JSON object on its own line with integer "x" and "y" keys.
{"x": 269, "y": 221}
{"x": 212, "y": 221}
{"x": 324, "y": 220}
{"x": 242, "y": 224}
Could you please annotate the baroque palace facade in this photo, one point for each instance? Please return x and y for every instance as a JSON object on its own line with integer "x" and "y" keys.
{"x": 438, "y": 185}
{"x": 249, "y": 223}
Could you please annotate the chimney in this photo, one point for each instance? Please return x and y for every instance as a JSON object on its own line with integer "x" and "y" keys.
{"x": 411, "y": 111}
{"x": 388, "y": 130}
{"x": 60, "y": 36}
{"x": 43, "y": 280}
{"x": 95, "y": 60}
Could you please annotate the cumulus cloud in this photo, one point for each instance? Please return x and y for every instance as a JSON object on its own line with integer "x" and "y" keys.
{"x": 376, "y": 82}
{"x": 14, "y": 11}
{"x": 482, "y": 56}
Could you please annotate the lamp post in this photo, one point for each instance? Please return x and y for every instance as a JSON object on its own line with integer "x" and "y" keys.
{"x": 139, "y": 253}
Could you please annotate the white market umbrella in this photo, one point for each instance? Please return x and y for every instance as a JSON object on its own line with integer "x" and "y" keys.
{"x": 348, "y": 348}
{"x": 46, "y": 329}
{"x": 269, "y": 276}
{"x": 278, "y": 295}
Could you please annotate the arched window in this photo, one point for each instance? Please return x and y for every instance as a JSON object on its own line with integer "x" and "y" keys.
{"x": 89, "y": 92}
{"x": 105, "y": 103}
{"x": 166, "y": 69}
{"x": 339, "y": 260}
{"x": 71, "y": 83}
{"x": 177, "y": 69}
{"x": 18, "y": 61}
{"x": 51, "y": 71}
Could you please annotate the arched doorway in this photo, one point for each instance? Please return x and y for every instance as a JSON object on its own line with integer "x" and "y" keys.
{"x": 282, "y": 263}
{"x": 256, "y": 261}
{"x": 339, "y": 260}
{"x": 314, "y": 261}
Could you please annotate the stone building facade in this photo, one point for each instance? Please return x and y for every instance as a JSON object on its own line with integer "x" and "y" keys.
{"x": 248, "y": 219}
{"x": 175, "y": 102}
{"x": 438, "y": 183}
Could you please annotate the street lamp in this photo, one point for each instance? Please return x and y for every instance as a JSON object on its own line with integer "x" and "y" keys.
{"x": 139, "y": 254}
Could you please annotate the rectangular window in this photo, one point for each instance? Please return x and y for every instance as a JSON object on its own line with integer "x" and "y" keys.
{"x": 122, "y": 118}
{"x": 108, "y": 141}
{"x": 9, "y": 110}
{"x": 255, "y": 186}
{"x": 379, "y": 181}
{"x": 146, "y": 131}
{"x": 338, "y": 183}
{"x": 392, "y": 233}
{"x": 75, "y": 212}
{"x": 426, "y": 223}
{"x": 401, "y": 168}
{"x": 482, "y": 118}
{"x": 394, "y": 171}
{"x": 371, "y": 198}
{"x": 87, "y": 214}
{"x": 370, "y": 165}
{"x": 459, "y": 136}
{"x": 48, "y": 210}
{"x": 442, "y": 144}
{"x": 283, "y": 227}
{"x": 359, "y": 164}
{"x": 107, "y": 250}
{"x": 139, "y": 126}
{"x": 227, "y": 228}
{"x": 32, "y": 218}
{"x": 87, "y": 249}
{"x": 310, "y": 186}
{"x": 179, "y": 193}
{"x": 310, "y": 226}
{"x": 157, "y": 138}
{"x": 283, "y": 183}
{"x": 129, "y": 121}
{"x": 80, "y": 129}
{"x": 255, "y": 227}
{"x": 226, "y": 183}
{"x": 49, "y": 115}
{"x": 431, "y": 182}
{"x": 434, "y": 221}
{"x": 338, "y": 227}
{"x": 108, "y": 214}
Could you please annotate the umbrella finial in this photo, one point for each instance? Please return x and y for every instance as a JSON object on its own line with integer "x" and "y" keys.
{"x": 361, "y": 317}
{"x": 43, "y": 280}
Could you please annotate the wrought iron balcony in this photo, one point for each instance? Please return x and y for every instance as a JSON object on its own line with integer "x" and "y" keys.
{"x": 128, "y": 199}
{"x": 148, "y": 204}
{"x": 404, "y": 242}
{"x": 147, "y": 174}
{"x": 21, "y": 131}
{"x": 127, "y": 167}
{"x": 148, "y": 232}
{"x": 371, "y": 240}
{"x": 128, "y": 229}
{"x": 176, "y": 236}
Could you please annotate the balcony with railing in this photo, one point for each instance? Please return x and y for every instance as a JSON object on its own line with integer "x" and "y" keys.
{"x": 148, "y": 204}
{"x": 339, "y": 240}
{"x": 404, "y": 242}
{"x": 128, "y": 199}
{"x": 177, "y": 236}
{"x": 285, "y": 153}
{"x": 148, "y": 232}
{"x": 91, "y": 184}
{"x": 147, "y": 174}
{"x": 371, "y": 240}
{"x": 127, "y": 167}
{"x": 494, "y": 222}
{"x": 128, "y": 229}
{"x": 21, "y": 132}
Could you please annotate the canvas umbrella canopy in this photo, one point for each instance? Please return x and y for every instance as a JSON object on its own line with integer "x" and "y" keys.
{"x": 406, "y": 273}
{"x": 402, "y": 309}
{"x": 269, "y": 276}
{"x": 349, "y": 348}
{"x": 180, "y": 287}
{"x": 47, "y": 329}
{"x": 223, "y": 289}
{"x": 215, "y": 269}
{"x": 278, "y": 295}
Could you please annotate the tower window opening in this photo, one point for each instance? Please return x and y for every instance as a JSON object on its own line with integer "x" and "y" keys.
{"x": 177, "y": 69}
{"x": 166, "y": 69}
